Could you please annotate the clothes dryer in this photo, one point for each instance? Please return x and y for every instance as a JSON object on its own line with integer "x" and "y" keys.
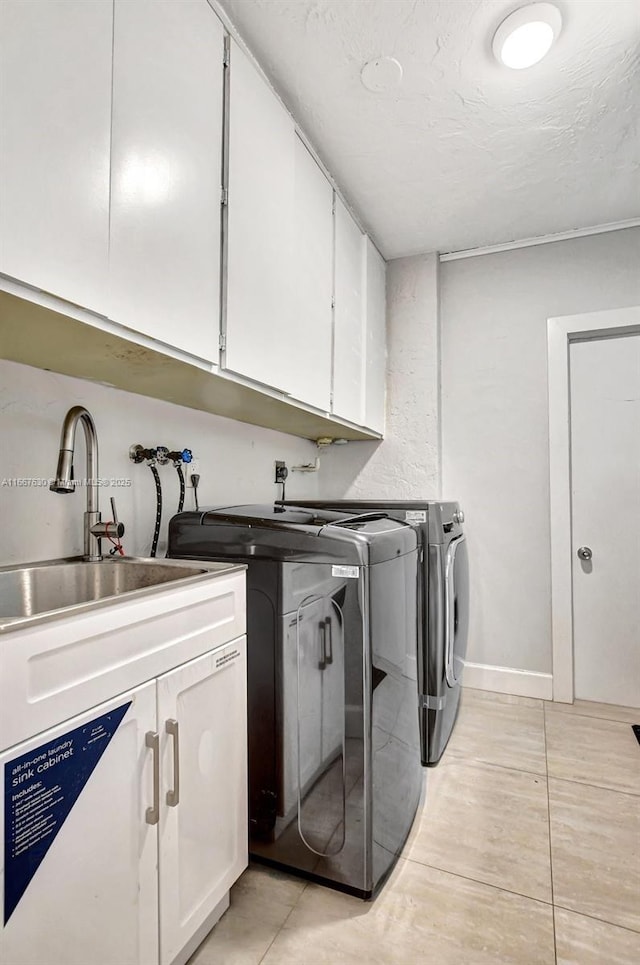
{"x": 443, "y": 606}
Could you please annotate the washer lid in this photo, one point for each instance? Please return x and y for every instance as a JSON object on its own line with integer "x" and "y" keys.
{"x": 265, "y": 531}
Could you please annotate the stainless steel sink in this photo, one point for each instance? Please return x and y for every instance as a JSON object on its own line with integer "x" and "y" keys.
{"x": 41, "y": 590}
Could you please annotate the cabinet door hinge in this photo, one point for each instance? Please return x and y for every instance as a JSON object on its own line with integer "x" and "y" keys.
{"x": 222, "y": 342}
{"x": 224, "y": 196}
{"x": 226, "y": 59}
{"x": 333, "y": 303}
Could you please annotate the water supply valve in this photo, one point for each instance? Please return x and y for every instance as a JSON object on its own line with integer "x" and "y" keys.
{"x": 179, "y": 458}
{"x": 139, "y": 454}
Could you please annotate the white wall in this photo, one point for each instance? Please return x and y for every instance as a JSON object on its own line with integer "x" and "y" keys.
{"x": 235, "y": 462}
{"x": 407, "y": 463}
{"x": 494, "y": 310}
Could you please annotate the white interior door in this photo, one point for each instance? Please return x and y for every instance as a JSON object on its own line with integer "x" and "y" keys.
{"x": 605, "y": 481}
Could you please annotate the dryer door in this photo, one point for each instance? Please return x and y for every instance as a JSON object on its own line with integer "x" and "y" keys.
{"x": 456, "y": 608}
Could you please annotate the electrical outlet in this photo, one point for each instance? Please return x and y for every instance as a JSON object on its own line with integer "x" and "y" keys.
{"x": 281, "y": 471}
{"x": 193, "y": 468}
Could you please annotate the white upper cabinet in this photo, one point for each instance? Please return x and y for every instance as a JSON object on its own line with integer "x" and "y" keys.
{"x": 349, "y": 317}
{"x": 119, "y": 128}
{"x": 376, "y": 347}
{"x": 166, "y": 172}
{"x": 309, "y": 342}
{"x": 55, "y": 118}
{"x": 260, "y": 282}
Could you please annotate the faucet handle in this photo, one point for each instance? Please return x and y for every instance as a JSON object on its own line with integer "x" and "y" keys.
{"x": 112, "y": 528}
{"x": 103, "y": 530}
{"x": 119, "y": 527}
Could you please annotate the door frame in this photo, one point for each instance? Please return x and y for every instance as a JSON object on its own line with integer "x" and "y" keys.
{"x": 561, "y": 331}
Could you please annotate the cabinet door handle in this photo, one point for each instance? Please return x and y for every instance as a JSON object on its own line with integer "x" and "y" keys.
{"x": 173, "y": 796}
{"x": 152, "y": 741}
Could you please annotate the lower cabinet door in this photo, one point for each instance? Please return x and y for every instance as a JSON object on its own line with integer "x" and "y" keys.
{"x": 78, "y": 871}
{"x": 202, "y": 719}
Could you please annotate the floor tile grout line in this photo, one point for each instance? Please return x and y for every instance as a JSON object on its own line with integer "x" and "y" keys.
{"x": 610, "y": 720}
{"x": 479, "y": 881}
{"x": 603, "y": 921}
{"x": 568, "y": 780}
{"x": 469, "y": 694}
{"x": 553, "y": 905}
{"x": 504, "y": 767}
{"x": 288, "y": 916}
{"x": 596, "y": 787}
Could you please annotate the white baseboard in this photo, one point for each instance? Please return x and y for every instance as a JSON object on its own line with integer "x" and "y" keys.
{"x": 506, "y": 680}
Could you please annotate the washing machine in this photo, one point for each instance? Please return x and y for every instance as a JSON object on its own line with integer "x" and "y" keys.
{"x": 444, "y": 607}
{"x": 334, "y": 735}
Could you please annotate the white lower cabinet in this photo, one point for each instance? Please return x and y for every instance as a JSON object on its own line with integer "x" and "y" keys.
{"x": 122, "y": 836}
{"x": 202, "y": 718}
{"x": 79, "y": 864}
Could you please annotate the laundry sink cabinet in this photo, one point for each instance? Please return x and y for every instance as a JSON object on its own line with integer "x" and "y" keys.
{"x": 125, "y": 824}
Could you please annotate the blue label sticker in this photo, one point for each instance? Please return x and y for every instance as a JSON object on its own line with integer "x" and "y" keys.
{"x": 40, "y": 789}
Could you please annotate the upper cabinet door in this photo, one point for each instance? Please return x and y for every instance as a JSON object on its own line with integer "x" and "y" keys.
{"x": 55, "y": 119}
{"x": 349, "y": 318}
{"x": 376, "y": 352}
{"x": 309, "y": 342}
{"x": 259, "y": 314}
{"x": 167, "y": 172}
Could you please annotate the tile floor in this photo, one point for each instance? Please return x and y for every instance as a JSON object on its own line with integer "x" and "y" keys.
{"x": 527, "y": 851}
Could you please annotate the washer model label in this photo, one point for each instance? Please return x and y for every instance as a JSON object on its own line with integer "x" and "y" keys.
{"x": 350, "y": 572}
{"x": 416, "y": 516}
{"x": 40, "y": 789}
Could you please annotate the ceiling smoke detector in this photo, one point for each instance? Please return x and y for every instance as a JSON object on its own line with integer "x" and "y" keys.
{"x": 527, "y": 35}
{"x": 381, "y": 74}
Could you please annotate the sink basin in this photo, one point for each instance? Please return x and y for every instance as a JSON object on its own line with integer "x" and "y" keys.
{"x": 59, "y": 585}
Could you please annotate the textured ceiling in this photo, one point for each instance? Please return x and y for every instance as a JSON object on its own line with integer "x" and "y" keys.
{"x": 465, "y": 153}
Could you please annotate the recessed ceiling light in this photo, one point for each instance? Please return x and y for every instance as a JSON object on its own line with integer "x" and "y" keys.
{"x": 381, "y": 74}
{"x": 527, "y": 35}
